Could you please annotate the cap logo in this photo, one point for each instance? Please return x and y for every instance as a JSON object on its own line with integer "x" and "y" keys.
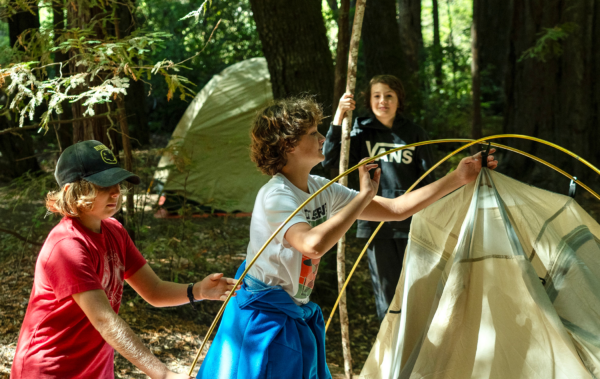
{"x": 106, "y": 154}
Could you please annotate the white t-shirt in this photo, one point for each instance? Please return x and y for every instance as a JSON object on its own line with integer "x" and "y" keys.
{"x": 280, "y": 264}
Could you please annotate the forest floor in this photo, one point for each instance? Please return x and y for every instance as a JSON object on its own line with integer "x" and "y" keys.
{"x": 183, "y": 251}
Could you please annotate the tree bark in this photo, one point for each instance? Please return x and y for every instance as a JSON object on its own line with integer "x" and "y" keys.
{"x": 476, "y": 128}
{"x": 341, "y": 60}
{"x": 294, "y": 42}
{"x": 79, "y": 16}
{"x": 64, "y": 135}
{"x": 344, "y": 157}
{"x": 384, "y": 53}
{"x": 135, "y": 100}
{"x": 15, "y": 147}
{"x": 437, "y": 46}
{"x": 128, "y": 165}
{"x": 493, "y": 33}
{"x": 556, "y": 100}
{"x": 452, "y": 49}
{"x": 409, "y": 15}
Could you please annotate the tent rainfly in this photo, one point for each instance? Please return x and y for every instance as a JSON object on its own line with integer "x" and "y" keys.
{"x": 212, "y": 140}
{"x": 501, "y": 280}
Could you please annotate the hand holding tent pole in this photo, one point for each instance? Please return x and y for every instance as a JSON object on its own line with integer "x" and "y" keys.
{"x": 391, "y": 151}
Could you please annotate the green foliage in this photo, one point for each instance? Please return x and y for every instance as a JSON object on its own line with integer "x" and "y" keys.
{"x": 447, "y": 106}
{"x": 234, "y": 40}
{"x": 105, "y": 66}
{"x": 22, "y": 203}
{"x": 549, "y": 42}
{"x": 198, "y": 12}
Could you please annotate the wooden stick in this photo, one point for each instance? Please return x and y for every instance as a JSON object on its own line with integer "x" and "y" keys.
{"x": 341, "y": 59}
{"x": 359, "y": 13}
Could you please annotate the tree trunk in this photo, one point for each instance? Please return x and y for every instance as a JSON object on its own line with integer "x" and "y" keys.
{"x": 476, "y": 128}
{"x": 341, "y": 60}
{"x": 409, "y": 12}
{"x": 493, "y": 33}
{"x": 383, "y": 50}
{"x": 79, "y": 16}
{"x": 135, "y": 100}
{"x": 294, "y": 42}
{"x": 556, "y": 100}
{"x": 64, "y": 134}
{"x": 437, "y": 46}
{"x": 14, "y": 148}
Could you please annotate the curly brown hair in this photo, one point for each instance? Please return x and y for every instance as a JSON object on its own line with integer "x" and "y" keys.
{"x": 278, "y": 128}
{"x": 395, "y": 85}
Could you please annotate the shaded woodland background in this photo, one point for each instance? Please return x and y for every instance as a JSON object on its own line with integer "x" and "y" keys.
{"x": 536, "y": 72}
{"x": 471, "y": 68}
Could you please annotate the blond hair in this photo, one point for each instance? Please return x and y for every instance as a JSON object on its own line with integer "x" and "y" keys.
{"x": 74, "y": 198}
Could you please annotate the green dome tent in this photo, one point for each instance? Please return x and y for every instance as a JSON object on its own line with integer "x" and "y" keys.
{"x": 208, "y": 154}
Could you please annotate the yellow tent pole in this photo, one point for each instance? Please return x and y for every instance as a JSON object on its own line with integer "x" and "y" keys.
{"x": 422, "y": 143}
{"x": 423, "y": 177}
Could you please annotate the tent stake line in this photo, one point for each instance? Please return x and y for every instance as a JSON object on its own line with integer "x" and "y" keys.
{"x": 422, "y": 143}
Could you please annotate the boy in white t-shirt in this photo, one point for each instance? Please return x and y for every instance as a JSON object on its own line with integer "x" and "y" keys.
{"x": 272, "y": 329}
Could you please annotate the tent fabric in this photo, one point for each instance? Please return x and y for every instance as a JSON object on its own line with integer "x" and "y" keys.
{"x": 213, "y": 139}
{"x": 501, "y": 280}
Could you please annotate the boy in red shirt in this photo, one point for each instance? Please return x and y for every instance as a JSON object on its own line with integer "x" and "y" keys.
{"x": 72, "y": 325}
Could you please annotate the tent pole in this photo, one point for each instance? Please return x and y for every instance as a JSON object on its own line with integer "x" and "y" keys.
{"x": 573, "y": 180}
{"x": 391, "y": 151}
{"x": 359, "y": 12}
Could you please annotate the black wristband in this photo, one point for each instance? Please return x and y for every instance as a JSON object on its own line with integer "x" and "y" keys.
{"x": 190, "y": 294}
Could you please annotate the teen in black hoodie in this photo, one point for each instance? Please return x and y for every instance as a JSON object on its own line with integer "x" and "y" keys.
{"x": 383, "y": 130}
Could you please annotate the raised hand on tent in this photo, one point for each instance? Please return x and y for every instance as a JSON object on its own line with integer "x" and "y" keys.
{"x": 469, "y": 167}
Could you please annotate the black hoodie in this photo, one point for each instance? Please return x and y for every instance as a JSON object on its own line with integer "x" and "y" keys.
{"x": 399, "y": 170}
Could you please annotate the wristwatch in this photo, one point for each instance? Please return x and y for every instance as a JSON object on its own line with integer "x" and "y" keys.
{"x": 190, "y": 294}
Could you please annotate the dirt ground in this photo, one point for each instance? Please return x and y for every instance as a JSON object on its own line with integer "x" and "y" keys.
{"x": 174, "y": 334}
{"x": 184, "y": 251}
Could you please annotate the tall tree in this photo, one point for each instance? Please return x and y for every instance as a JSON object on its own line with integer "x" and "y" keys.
{"x": 17, "y": 150}
{"x": 476, "y": 127}
{"x": 437, "y": 46}
{"x": 80, "y": 16}
{"x": 554, "y": 94}
{"x": 409, "y": 20}
{"x": 294, "y": 42}
{"x": 64, "y": 133}
{"x": 383, "y": 50}
{"x": 492, "y": 18}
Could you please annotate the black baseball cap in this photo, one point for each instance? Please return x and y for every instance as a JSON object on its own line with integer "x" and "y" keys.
{"x": 93, "y": 161}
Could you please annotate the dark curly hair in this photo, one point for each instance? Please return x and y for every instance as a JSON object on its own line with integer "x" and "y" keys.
{"x": 278, "y": 128}
{"x": 395, "y": 85}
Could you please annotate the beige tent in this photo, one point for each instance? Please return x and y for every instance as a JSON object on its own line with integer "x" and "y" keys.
{"x": 501, "y": 280}
{"x": 212, "y": 140}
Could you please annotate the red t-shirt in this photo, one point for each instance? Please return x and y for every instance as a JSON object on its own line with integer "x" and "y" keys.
{"x": 57, "y": 340}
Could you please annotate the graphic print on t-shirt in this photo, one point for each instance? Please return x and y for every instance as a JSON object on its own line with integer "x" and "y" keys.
{"x": 402, "y": 156}
{"x": 309, "y": 268}
{"x": 112, "y": 277}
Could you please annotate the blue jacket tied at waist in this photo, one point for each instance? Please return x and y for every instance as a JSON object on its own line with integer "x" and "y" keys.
{"x": 264, "y": 334}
